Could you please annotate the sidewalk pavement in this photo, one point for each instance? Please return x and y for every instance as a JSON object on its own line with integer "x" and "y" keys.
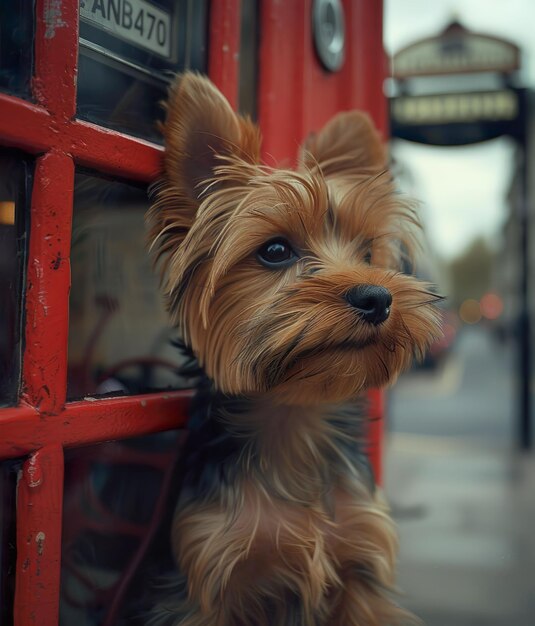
{"x": 466, "y": 517}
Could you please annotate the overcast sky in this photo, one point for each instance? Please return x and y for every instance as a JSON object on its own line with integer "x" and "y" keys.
{"x": 462, "y": 189}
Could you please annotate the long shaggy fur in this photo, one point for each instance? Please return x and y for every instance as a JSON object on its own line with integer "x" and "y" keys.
{"x": 277, "y": 522}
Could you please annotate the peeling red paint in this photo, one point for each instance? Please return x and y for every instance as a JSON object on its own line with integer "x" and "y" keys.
{"x": 33, "y": 473}
{"x": 53, "y": 17}
{"x": 40, "y": 541}
{"x": 56, "y": 56}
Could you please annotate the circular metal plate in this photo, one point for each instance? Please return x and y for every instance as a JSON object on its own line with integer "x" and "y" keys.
{"x": 329, "y": 32}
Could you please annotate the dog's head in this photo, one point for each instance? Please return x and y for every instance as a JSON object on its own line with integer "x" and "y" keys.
{"x": 280, "y": 280}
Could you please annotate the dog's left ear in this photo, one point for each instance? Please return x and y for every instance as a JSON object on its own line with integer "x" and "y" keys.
{"x": 348, "y": 142}
{"x": 201, "y": 133}
{"x": 200, "y": 130}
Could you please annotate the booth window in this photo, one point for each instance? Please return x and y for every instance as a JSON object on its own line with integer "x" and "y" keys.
{"x": 9, "y": 471}
{"x": 116, "y": 500}
{"x": 249, "y": 38}
{"x": 14, "y": 185}
{"x": 120, "y": 340}
{"x": 131, "y": 51}
{"x": 16, "y": 47}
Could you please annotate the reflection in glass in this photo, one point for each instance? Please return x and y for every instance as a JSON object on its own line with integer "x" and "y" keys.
{"x": 8, "y": 546}
{"x": 119, "y": 338}
{"x": 14, "y": 186}
{"x": 117, "y": 499}
{"x": 131, "y": 50}
{"x": 16, "y": 47}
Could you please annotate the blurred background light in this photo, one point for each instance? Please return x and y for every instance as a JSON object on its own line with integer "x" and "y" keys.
{"x": 491, "y": 306}
{"x": 470, "y": 312}
{"x": 7, "y": 212}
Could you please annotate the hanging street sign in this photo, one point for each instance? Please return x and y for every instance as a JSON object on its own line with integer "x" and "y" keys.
{"x": 456, "y": 51}
{"x": 456, "y": 117}
{"x": 453, "y": 119}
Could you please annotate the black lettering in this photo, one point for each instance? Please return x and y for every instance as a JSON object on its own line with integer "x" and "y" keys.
{"x": 139, "y": 22}
{"x": 127, "y": 15}
{"x": 98, "y": 5}
{"x": 161, "y": 32}
{"x": 114, "y": 6}
{"x": 152, "y": 19}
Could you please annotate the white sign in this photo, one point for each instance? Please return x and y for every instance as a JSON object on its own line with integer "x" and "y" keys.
{"x": 464, "y": 108}
{"x": 136, "y": 21}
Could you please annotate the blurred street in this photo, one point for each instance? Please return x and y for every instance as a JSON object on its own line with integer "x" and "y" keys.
{"x": 469, "y": 395}
{"x": 463, "y": 499}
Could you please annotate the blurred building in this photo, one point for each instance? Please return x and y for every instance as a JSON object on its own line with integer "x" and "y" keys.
{"x": 515, "y": 268}
{"x": 520, "y": 223}
{"x": 461, "y": 87}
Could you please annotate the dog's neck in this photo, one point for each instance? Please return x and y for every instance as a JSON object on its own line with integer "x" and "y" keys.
{"x": 295, "y": 452}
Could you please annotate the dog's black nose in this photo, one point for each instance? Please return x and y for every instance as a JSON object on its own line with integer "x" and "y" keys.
{"x": 371, "y": 301}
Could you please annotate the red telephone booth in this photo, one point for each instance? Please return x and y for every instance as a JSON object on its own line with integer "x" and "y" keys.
{"x": 91, "y": 405}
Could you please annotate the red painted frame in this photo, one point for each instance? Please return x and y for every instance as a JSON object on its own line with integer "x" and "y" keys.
{"x": 43, "y": 424}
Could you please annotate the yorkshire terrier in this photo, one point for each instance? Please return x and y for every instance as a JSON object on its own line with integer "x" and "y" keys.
{"x": 287, "y": 287}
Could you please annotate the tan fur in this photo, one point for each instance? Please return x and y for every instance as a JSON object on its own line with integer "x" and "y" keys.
{"x": 299, "y": 520}
{"x": 274, "y": 546}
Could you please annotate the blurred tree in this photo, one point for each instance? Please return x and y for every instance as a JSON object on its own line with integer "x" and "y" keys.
{"x": 471, "y": 272}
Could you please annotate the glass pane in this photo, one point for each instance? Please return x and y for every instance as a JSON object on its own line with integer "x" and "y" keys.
{"x": 16, "y": 47}
{"x": 8, "y": 542}
{"x": 119, "y": 338}
{"x": 117, "y": 499}
{"x": 249, "y": 38}
{"x": 131, "y": 49}
{"x": 14, "y": 191}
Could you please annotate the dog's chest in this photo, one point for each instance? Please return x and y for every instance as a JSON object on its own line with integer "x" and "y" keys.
{"x": 321, "y": 532}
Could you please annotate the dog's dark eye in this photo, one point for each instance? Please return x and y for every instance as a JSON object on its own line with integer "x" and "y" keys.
{"x": 368, "y": 257}
{"x": 276, "y": 254}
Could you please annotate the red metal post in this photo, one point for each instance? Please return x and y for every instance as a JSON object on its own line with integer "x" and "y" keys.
{"x": 371, "y": 65}
{"x": 56, "y": 56}
{"x": 39, "y": 509}
{"x": 48, "y": 284}
{"x": 376, "y": 432}
{"x": 223, "y": 66}
{"x": 282, "y": 65}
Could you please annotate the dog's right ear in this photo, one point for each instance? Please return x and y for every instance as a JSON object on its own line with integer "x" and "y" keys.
{"x": 347, "y": 143}
{"x": 200, "y": 130}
